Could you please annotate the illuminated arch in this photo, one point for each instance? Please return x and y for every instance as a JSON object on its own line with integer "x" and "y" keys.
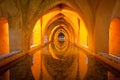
{"x": 114, "y": 37}
{"x": 83, "y": 35}
{"x": 61, "y": 17}
{"x": 60, "y": 22}
{"x": 65, "y": 30}
{"x": 4, "y": 36}
{"x": 67, "y": 6}
{"x": 57, "y": 42}
{"x": 58, "y": 30}
{"x": 35, "y": 38}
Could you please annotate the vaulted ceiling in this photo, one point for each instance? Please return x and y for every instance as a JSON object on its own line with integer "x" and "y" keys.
{"x": 23, "y": 14}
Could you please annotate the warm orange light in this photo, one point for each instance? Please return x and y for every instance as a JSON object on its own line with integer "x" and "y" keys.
{"x": 46, "y": 18}
{"x": 37, "y": 33}
{"x": 83, "y": 62}
{"x": 4, "y": 43}
{"x": 83, "y": 34}
{"x": 52, "y": 53}
{"x": 4, "y": 36}
{"x": 77, "y": 35}
{"x": 114, "y": 34}
{"x": 36, "y": 65}
{"x": 73, "y": 16}
{"x": 70, "y": 16}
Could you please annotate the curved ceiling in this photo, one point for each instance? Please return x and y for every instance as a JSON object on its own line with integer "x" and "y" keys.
{"x": 61, "y": 15}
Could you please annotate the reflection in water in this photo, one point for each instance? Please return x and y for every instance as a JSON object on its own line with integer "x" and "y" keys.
{"x": 36, "y": 67}
{"x": 95, "y": 70}
{"x": 22, "y": 70}
{"x": 60, "y": 66}
{"x": 61, "y": 61}
{"x": 112, "y": 76}
{"x": 83, "y": 62}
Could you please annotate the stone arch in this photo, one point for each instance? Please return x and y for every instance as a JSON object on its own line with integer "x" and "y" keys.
{"x": 62, "y": 18}
{"x": 4, "y": 36}
{"x": 80, "y": 10}
{"x": 60, "y": 22}
{"x": 114, "y": 37}
{"x": 64, "y": 31}
{"x": 55, "y": 4}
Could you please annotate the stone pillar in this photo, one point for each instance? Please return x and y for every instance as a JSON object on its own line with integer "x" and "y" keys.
{"x": 102, "y": 23}
{"x": 15, "y": 35}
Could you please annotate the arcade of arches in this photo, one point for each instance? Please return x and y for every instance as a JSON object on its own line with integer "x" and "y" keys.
{"x": 89, "y": 24}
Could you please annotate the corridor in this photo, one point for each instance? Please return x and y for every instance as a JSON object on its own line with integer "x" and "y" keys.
{"x": 59, "y": 39}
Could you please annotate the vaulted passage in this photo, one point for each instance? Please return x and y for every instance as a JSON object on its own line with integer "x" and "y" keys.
{"x": 59, "y": 40}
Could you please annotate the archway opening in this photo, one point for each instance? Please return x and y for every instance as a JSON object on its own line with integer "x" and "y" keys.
{"x": 83, "y": 34}
{"x": 4, "y": 36}
{"x": 61, "y": 35}
{"x": 69, "y": 16}
{"x": 4, "y": 42}
{"x": 114, "y": 37}
{"x": 35, "y": 38}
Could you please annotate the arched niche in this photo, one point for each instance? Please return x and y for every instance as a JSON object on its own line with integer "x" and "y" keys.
{"x": 4, "y": 43}
{"x": 4, "y": 36}
{"x": 114, "y": 37}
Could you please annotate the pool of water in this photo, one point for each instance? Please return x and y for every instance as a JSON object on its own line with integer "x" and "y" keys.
{"x": 59, "y": 61}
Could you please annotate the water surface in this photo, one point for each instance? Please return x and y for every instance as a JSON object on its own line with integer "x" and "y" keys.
{"x": 59, "y": 61}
